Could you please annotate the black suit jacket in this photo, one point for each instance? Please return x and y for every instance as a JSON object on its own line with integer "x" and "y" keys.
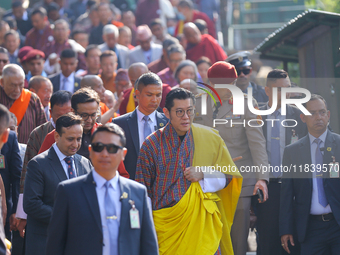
{"x": 12, "y": 172}
{"x": 129, "y": 123}
{"x": 292, "y": 112}
{"x": 55, "y": 79}
{"x": 76, "y": 226}
{"x": 296, "y": 193}
{"x": 44, "y": 173}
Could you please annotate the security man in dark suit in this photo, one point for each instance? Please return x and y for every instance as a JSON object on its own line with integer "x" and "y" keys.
{"x": 4, "y": 132}
{"x": 44, "y": 172}
{"x": 243, "y": 67}
{"x": 10, "y": 173}
{"x": 66, "y": 79}
{"x": 277, "y": 137}
{"x": 144, "y": 120}
{"x": 311, "y": 205}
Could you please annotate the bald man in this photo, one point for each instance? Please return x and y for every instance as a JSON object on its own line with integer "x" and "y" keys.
{"x": 44, "y": 89}
{"x": 94, "y": 82}
{"x": 25, "y": 104}
{"x": 199, "y": 45}
{"x": 146, "y": 51}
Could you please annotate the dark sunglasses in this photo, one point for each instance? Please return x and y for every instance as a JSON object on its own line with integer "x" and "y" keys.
{"x": 244, "y": 71}
{"x": 5, "y": 61}
{"x": 111, "y": 148}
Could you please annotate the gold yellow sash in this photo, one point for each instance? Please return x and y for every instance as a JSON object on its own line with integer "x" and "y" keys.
{"x": 200, "y": 222}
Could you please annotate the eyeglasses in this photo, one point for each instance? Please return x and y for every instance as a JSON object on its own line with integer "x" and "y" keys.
{"x": 5, "y": 61}
{"x": 111, "y": 148}
{"x": 244, "y": 71}
{"x": 180, "y": 113}
{"x": 86, "y": 116}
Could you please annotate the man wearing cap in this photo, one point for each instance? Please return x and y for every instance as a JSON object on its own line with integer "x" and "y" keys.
{"x": 110, "y": 37}
{"x": 24, "y": 104}
{"x": 21, "y": 55}
{"x": 35, "y": 59}
{"x": 146, "y": 51}
{"x": 199, "y": 45}
{"x": 41, "y": 33}
{"x": 243, "y": 67}
{"x": 241, "y": 140}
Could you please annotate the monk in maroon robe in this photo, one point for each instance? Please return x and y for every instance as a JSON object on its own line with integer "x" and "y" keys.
{"x": 202, "y": 45}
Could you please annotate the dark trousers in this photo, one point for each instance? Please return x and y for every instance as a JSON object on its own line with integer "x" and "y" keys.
{"x": 17, "y": 243}
{"x": 322, "y": 238}
{"x": 269, "y": 240}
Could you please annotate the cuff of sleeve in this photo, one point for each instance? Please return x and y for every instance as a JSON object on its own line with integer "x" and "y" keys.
{"x": 20, "y": 214}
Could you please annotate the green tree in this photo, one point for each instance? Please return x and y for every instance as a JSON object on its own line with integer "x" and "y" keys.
{"x": 324, "y": 5}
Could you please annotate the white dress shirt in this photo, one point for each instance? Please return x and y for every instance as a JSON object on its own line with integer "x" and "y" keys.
{"x": 115, "y": 194}
{"x": 69, "y": 86}
{"x": 20, "y": 213}
{"x": 269, "y": 136}
{"x": 140, "y": 122}
{"x": 62, "y": 157}
{"x": 316, "y": 208}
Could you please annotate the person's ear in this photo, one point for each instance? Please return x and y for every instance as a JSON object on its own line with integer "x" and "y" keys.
{"x": 267, "y": 90}
{"x": 303, "y": 117}
{"x": 56, "y": 136}
{"x": 4, "y": 136}
{"x": 166, "y": 112}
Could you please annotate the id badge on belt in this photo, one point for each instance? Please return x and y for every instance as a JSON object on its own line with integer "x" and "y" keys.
{"x": 334, "y": 169}
{"x": 2, "y": 161}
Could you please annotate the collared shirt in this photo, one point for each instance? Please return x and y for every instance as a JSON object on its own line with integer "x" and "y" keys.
{"x": 68, "y": 84}
{"x": 269, "y": 138}
{"x": 316, "y": 208}
{"x": 29, "y": 75}
{"x": 115, "y": 194}
{"x": 52, "y": 122}
{"x": 47, "y": 112}
{"x": 13, "y": 58}
{"x": 140, "y": 121}
{"x": 62, "y": 157}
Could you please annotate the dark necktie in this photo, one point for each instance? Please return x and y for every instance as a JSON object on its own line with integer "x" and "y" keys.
{"x": 111, "y": 219}
{"x": 319, "y": 180}
{"x": 70, "y": 169}
{"x": 218, "y": 105}
{"x": 275, "y": 154}
{"x": 147, "y": 129}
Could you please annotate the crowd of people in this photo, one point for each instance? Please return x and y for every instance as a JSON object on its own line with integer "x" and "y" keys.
{"x": 104, "y": 139}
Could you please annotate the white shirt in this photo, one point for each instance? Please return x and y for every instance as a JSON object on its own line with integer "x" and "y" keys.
{"x": 52, "y": 122}
{"x": 316, "y": 208}
{"x": 47, "y": 112}
{"x": 140, "y": 122}
{"x": 269, "y": 136}
{"x": 100, "y": 190}
{"x": 62, "y": 157}
{"x": 69, "y": 86}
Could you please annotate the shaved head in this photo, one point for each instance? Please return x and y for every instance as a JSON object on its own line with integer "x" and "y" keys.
{"x": 94, "y": 82}
{"x": 192, "y": 33}
{"x": 136, "y": 70}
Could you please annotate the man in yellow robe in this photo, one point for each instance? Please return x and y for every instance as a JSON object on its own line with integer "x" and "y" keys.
{"x": 191, "y": 180}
